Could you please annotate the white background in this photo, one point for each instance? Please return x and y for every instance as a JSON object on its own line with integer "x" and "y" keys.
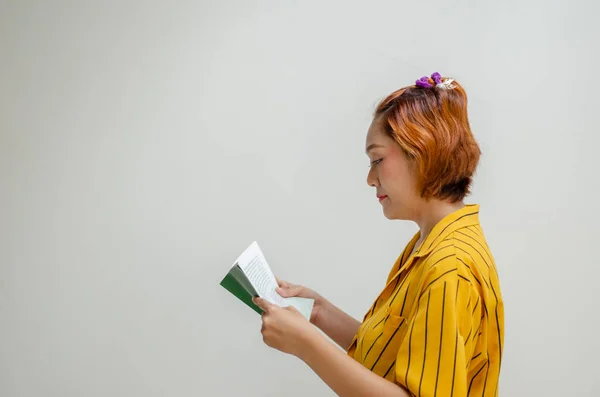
{"x": 144, "y": 145}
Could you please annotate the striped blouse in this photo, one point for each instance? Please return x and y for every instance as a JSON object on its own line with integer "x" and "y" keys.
{"x": 437, "y": 328}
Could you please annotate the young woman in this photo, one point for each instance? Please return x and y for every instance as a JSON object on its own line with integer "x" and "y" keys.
{"x": 437, "y": 327}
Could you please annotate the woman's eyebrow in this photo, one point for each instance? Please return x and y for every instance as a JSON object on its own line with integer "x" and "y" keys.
{"x": 372, "y": 146}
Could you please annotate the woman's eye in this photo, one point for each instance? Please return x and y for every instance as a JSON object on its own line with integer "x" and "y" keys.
{"x": 375, "y": 162}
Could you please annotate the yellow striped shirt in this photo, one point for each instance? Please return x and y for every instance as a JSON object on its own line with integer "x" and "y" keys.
{"x": 437, "y": 328}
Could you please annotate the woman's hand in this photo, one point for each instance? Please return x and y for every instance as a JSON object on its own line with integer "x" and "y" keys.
{"x": 336, "y": 323}
{"x": 288, "y": 290}
{"x": 284, "y": 328}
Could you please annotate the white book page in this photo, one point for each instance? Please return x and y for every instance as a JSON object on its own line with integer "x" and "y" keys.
{"x": 304, "y": 305}
{"x": 255, "y": 267}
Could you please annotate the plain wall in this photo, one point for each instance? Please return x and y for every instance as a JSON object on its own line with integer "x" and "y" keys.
{"x": 144, "y": 145}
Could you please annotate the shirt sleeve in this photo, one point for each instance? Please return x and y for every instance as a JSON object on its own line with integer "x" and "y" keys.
{"x": 433, "y": 357}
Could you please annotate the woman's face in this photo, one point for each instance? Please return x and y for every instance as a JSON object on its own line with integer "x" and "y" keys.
{"x": 392, "y": 175}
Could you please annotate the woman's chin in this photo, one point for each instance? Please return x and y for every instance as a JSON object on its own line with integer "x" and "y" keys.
{"x": 389, "y": 213}
{"x": 393, "y": 213}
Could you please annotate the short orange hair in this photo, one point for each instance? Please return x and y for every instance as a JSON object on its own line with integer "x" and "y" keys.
{"x": 432, "y": 127}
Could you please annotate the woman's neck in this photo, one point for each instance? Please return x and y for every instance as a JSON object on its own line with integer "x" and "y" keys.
{"x": 431, "y": 213}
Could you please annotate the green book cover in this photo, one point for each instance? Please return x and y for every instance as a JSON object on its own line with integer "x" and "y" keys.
{"x": 235, "y": 281}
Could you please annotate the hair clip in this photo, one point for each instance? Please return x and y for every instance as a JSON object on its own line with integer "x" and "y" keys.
{"x": 424, "y": 82}
{"x": 446, "y": 85}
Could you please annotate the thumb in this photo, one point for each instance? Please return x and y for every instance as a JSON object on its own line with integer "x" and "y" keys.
{"x": 281, "y": 283}
{"x": 262, "y": 303}
{"x": 293, "y": 309}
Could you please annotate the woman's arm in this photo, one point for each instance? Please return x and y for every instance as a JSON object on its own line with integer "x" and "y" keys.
{"x": 335, "y": 323}
{"x": 345, "y": 376}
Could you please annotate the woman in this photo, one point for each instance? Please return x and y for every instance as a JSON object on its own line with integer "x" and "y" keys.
{"x": 437, "y": 327}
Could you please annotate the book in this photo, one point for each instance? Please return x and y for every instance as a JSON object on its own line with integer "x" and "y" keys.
{"x": 250, "y": 276}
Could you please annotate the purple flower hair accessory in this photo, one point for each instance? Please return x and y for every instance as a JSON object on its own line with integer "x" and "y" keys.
{"x": 437, "y": 78}
{"x": 423, "y": 82}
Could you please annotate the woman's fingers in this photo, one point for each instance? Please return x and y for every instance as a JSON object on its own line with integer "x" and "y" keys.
{"x": 290, "y": 290}
{"x": 282, "y": 283}
{"x": 262, "y": 303}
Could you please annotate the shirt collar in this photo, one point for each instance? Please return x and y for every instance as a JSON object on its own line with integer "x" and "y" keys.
{"x": 466, "y": 216}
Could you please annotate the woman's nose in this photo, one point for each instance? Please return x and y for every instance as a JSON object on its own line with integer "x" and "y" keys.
{"x": 372, "y": 178}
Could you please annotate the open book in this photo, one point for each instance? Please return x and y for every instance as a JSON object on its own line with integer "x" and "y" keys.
{"x": 251, "y": 276}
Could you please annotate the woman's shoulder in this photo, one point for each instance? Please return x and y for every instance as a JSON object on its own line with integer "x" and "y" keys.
{"x": 464, "y": 251}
